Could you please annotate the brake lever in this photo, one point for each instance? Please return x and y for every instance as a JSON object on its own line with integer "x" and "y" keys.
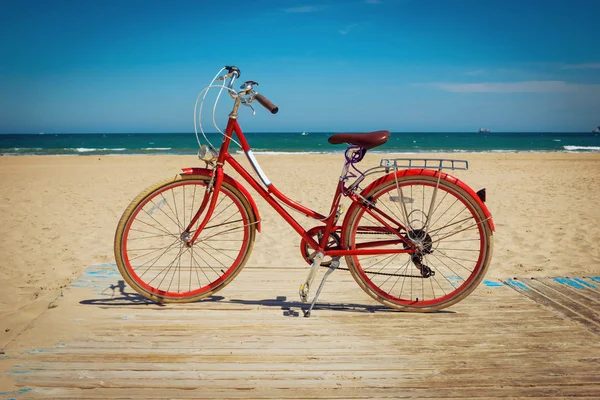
{"x": 247, "y": 104}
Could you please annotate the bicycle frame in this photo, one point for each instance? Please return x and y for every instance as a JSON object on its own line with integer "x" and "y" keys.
{"x": 272, "y": 194}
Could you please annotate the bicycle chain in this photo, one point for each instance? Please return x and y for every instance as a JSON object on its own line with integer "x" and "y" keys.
{"x": 375, "y": 233}
{"x": 379, "y": 273}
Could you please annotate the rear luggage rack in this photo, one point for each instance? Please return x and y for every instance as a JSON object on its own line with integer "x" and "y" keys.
{"x": 420, "y": 163}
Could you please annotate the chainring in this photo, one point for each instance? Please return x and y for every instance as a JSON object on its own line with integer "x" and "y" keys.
{"x": 335, "y": 243}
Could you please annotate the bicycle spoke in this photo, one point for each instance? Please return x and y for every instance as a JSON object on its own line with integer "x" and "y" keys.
{"x": 388, "y": 263}
{"x": 148, "y": 237}
{"x": 436, "y": 279}
{"x": 392, "y": 256}
{"x": 155, "y": 260}
{"x": 176, "y": 222}
{"x": 164, "y": 230}
{"x": 436, "y": 208}
{"x": 443, "y": 214}
{"x": 471, "y": 227}
{"x": 153, "y": 251}
{"x": 176, "y": 213}
{"x": 221, "y": 251}
{"x": 439, "y": 249}
{"x": 405, "y": 223}
{"x": 450, "y": 223}
{"x": 200, "y": 268}
{"x": 406, "y": 265}
{"x": 445, "y": 276}
{"x": 175, "y": 269}
{"x": 215, "y": 216}
{"x": 225, "y": 232}
{"x": 460, "y": 259}
{"x": 211, "y": 256}
{"x": 222, "y": 224}
{"x": 167, "y": 267}
{"x": 435, "y": 231}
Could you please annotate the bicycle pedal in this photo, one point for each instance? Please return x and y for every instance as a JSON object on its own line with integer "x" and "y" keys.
{"x": 304, "y": 289}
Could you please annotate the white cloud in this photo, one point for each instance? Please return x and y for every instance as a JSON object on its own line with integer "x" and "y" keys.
{"x": 582, "y": 66}
{"x": 514, "y": 87}
{"x": 303, "y": 9}
{"x": 347, "y": 30}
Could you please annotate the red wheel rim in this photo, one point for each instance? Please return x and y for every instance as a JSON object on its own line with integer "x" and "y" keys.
{"x": 200, "y": 290}
{"x": 466, "y": 283}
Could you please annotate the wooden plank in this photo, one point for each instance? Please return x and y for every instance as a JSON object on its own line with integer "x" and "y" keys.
{"x": 582, "y": 307}
{"x": 542, "y": 299}
{"x": 332, "y": 363}
{"x": 553, "y": 392}
{"x": 582, "y": 294}
{"x": 594, "y": 281}
{"x": 299, "y": 381}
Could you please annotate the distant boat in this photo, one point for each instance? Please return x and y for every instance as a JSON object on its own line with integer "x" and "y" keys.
{"x": 597, "y": 130}
{"x": 484, "y": 130}
{"x": 304, "y": 133}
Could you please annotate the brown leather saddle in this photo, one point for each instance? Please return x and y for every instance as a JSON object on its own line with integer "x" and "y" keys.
{"x": 367, "y": 140}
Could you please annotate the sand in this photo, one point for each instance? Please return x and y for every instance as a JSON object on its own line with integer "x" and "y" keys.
{"x": 59, "y": 215}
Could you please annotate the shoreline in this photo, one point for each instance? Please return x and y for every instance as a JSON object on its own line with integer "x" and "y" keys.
{"x": 91, "y": 153}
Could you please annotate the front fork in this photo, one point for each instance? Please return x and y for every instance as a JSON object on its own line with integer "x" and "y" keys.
{"x": 208, "y": 203}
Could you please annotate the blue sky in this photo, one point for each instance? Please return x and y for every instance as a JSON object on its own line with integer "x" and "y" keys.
{"x": 403, "y": 65}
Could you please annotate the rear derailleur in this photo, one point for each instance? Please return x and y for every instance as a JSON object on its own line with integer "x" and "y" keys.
{"x": 426, "y": 272}
{"x": 423, "y": 245}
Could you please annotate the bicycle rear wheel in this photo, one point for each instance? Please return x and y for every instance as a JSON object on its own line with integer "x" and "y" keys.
{"x": 450, "y": 232}
{"x": 152, "y": 255}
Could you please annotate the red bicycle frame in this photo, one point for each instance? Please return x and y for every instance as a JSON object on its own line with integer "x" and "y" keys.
{"x": 272, "y": 194}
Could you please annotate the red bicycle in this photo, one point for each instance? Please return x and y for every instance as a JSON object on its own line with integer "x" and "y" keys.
{"x": 415, "y": 239}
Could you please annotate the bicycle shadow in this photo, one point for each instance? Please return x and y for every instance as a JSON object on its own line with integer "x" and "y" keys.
{"x": 292, "y": 308}
{"x": 121, "y": 297}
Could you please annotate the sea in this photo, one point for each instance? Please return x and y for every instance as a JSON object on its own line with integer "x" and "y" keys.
{"x": 294, "y": 143}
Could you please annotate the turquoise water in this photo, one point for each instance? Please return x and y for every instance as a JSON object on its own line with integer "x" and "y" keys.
{"x": 295, "y": 142}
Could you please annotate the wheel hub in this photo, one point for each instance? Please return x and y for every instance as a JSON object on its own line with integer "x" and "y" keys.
{"x": 186, "y": 237}
{"x": 421, "y": 240}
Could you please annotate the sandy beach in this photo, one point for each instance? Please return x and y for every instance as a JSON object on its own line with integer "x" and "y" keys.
{"x": 59, "y": 215}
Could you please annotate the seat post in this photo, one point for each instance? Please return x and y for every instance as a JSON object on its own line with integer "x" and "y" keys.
{"x": 353, "y": 155}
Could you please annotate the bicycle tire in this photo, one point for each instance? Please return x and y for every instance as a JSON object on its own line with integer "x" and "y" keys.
{"x": 452, "y": 280}
{"x": 158, "y": 216}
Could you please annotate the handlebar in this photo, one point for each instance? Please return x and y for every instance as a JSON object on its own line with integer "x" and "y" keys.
{"x": 247, "y": 89}
{"x": 244, "y": 96}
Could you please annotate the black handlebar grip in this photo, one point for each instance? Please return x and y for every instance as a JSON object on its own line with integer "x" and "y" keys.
{"x": 266, "y": 103}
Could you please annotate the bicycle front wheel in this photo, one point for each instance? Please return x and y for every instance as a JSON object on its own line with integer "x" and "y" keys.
{"x": 153, "y": 257}
{"x": 451, "y": 235}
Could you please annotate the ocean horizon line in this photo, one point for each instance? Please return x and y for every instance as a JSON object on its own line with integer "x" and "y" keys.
{"x": 298, "y": 131}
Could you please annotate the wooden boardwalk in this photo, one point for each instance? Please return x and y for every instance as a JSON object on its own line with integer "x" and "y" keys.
{"x": 519, "y": 338}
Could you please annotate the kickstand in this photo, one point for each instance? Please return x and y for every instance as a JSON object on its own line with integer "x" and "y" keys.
{"x": 332, "y": 267}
